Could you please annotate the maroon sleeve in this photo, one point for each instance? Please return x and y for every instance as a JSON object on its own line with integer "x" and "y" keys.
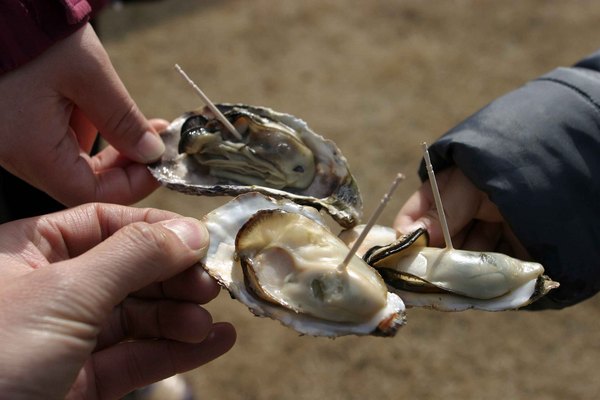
{"x": 29, "y": 27}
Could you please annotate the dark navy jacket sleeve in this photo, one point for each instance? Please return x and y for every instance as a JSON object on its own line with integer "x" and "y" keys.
{"x": 536, "y": 153}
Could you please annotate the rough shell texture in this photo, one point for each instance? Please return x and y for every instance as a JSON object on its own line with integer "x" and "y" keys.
{"x": 333, "y": 188}
{"x": 223, "y": 264}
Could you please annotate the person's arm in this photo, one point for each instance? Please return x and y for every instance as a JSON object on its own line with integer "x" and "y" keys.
{"x": 535, "y": 153}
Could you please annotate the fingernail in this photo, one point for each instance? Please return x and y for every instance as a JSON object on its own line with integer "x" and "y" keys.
{"x": 150, "y": 147}
{"x": 190, "y": 231}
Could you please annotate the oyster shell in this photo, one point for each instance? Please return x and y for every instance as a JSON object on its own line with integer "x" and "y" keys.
{"x": 279, "y": 155}
{"x": 280, "y": 260}
{"x": 451, "y": 279}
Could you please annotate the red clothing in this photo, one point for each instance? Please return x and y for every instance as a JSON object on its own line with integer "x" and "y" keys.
{"x": 29, "y": 27}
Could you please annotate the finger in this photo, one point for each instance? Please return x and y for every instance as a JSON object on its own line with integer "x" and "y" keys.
{"x": 415, "y": 208}
{"x": 35, "y": 242}
{"x": 124, "y": 367}
{"x": 511, "y": 245}
{"x": 84, "y": 130}
{"x": 461, "y": 201}
{"x": 483, "y": 236}
{"x": 94, "y": 86}
{"x": 194, "y": 285}
{"x": 420, "y": 211}
{"x": 115, "y": 179}
{"x": 106, "y": 177}
{"x": 138, "y": 319}
{"x": 159, "y": 124}
{"x": 69, "y": 233}
{"x": 461, "y": 236}
{"x": 110, "y": 157}
{"x": 135, "y": 256}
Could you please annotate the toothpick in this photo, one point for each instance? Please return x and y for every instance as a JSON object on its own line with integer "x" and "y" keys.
{"x": 210, "y": 105}
{"x": 370, "y": 222}
{"x": 437, "y": 198}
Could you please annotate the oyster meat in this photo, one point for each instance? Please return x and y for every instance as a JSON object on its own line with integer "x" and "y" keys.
{"x": 277, "y": 155}
{"x": 280, "y": 259}
{"x": 451, "y": 279}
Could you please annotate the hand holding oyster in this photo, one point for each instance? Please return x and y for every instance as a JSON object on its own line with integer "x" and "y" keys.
{"x": 449, "y": 279}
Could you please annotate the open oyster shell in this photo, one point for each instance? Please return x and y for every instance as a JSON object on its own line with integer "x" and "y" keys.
{"x": 279, "y": 155}
{"x": 280, "y": 259}
{"x": 450, "y": 279}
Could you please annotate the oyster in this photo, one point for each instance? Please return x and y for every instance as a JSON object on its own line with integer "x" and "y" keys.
{"x": 278, "y": 155}
{"x": 280, "y": 259}
{"x": 451, "y": 279}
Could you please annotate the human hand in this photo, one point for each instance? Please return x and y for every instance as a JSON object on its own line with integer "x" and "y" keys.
{"x": 52, "y": 109}
{"x": 474, "y": 221}
{"x": 100, "y": 299}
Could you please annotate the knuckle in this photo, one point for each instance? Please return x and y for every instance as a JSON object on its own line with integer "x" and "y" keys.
{"x": 432, "y": 216}
{"x": 147, "y": 237}
{"x": 124, "y": 121}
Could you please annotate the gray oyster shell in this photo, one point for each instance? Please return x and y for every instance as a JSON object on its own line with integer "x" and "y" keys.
{"x": 333, "y": 187}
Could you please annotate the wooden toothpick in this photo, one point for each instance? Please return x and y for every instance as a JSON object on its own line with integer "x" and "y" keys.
{"x": 210, "y": 104}
{"x": 370, "y": 222}
{"x": 437, "y": 198}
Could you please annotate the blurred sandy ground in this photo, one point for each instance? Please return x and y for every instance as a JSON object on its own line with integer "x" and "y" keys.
{"x": 378, "y": 78}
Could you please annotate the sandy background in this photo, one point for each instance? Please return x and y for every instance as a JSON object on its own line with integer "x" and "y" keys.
{"x": 378, "y": 78}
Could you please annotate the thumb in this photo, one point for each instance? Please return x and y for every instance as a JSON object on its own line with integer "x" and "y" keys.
{"x": 136, "y": 256}
{"x": 94, "y": 86}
